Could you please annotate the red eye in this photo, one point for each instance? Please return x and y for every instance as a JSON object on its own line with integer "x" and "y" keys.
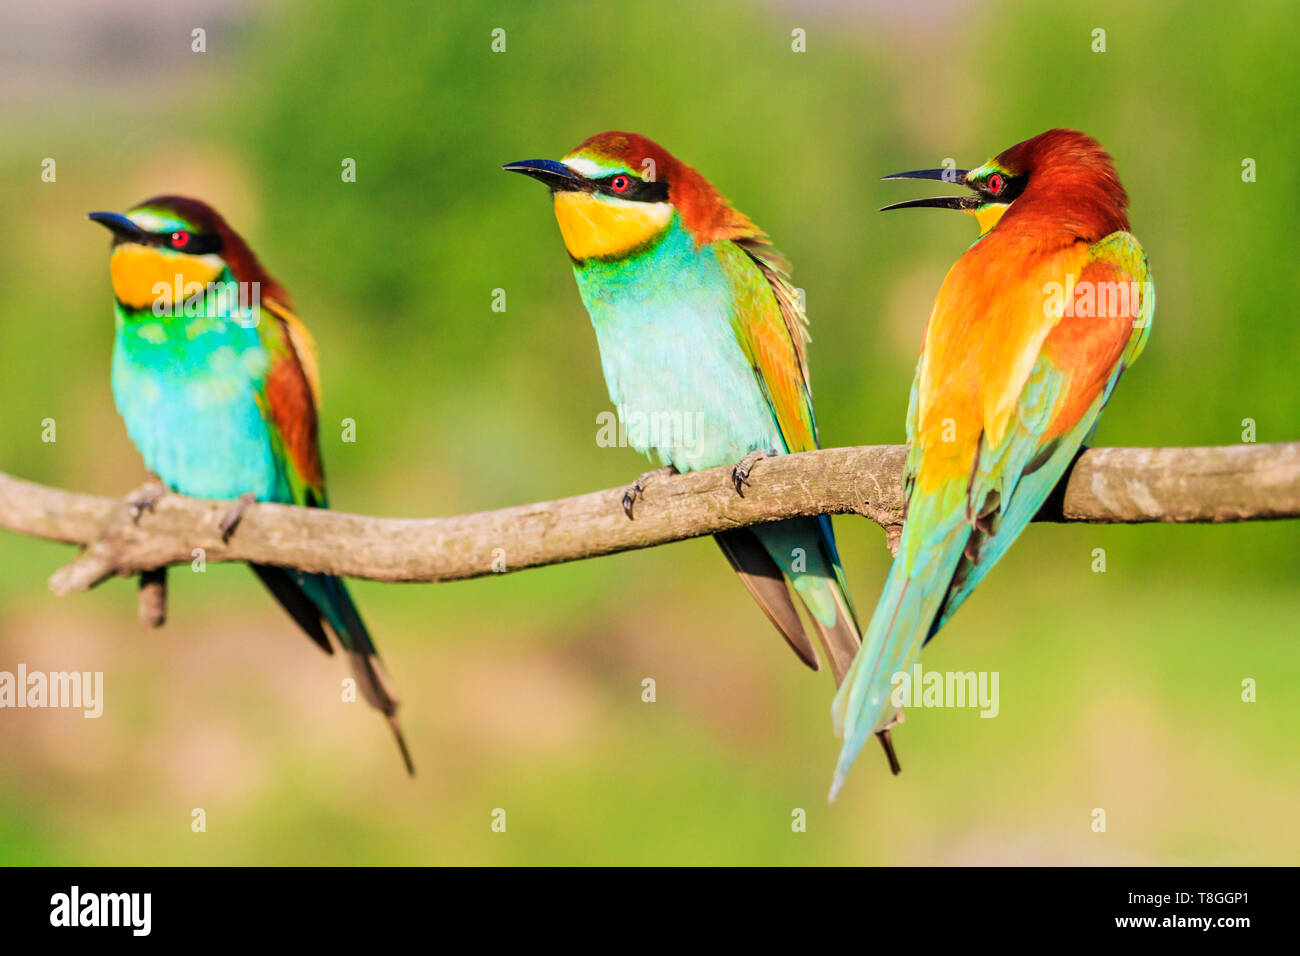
{"x": 619, "y": 184}
{"x": 995, "y": 184}
{"x": 180, "y": 239}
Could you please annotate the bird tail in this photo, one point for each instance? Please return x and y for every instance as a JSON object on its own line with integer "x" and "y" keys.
{"x": 766, "y": 584}
{"x": 312, "y": 599}
{"x": 932, "y": 543}
{"x": 804, "y": 550}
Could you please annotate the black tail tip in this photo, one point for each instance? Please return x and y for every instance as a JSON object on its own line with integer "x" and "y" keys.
{"x": 401, "y": 745}
{"x": 888, "y": 744}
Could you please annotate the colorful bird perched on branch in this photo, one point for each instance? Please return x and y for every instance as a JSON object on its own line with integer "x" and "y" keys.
{"x": 703, "y": 342}
{"x": 216, "y": 379}
{"x": 1031, "y": 330}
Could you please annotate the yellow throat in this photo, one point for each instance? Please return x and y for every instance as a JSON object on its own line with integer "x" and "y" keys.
{"x": 600, "y": 227}
{"x": 988, "y": 215}
{"x": 143, "y": 274}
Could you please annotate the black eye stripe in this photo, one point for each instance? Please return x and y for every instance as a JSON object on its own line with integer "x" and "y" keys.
{"x": 1012, "y": 186}
{"x": 200, "y": 244}
{"x": 638, "y": 190}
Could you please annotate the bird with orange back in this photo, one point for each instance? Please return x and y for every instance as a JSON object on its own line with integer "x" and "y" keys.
{"x": 1031, "y": 330}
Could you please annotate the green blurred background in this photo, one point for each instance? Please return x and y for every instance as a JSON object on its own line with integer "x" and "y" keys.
{"x": 1119, "y": 691}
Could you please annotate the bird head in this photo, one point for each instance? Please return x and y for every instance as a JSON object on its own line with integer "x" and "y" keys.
{"x": 174, "y": 241}
{"x": 617, "y": 193}
{"x": 1060, "y": 180}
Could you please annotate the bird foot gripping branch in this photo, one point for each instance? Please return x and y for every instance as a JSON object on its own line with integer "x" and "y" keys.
{"x": 130, "y": 542}
{"x": 636, "y": 490}
{"x": 144, "y": 498}
{"x": 103, "y": 557}
{"x": 230, "y": 520}
{"x": 741, "y": 470}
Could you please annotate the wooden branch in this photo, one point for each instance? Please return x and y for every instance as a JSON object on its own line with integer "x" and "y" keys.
{"x": 1107, "y": 485}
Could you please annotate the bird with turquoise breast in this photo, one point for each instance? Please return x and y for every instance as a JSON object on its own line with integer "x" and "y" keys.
{"x": 216, "y": 380}
{"x": 703, "y": 343}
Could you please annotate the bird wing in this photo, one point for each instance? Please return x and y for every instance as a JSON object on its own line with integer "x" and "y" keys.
{"x": 290, "y": 395}
{"x": 772, "y": 331}
{"x": 983, "y": 338}
{"x": 1009, "y": 386}
{"x": 1081, "y": 360}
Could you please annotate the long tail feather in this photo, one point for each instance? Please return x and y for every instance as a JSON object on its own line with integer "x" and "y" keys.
{"x": 760, "y": 574}
{"x": 843, "y": 638}
{"x": 315, "y": 598}
{"x": 932, "y": 544}
{"x": 804, "y": 550}
{"x": 293, "y": 599}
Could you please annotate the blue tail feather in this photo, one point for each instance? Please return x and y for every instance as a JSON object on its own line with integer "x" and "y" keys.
{"x": 929, "y": 551}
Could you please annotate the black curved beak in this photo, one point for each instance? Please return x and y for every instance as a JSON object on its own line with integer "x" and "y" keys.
{"x": 945, "y": 175}
{"x": 955, "y": 176}
{"x": 554, "y": 174}
{"x": 963, "y": 203}
{"x": 118, "y": 225}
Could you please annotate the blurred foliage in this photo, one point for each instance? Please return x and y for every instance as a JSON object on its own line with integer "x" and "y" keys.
{"x": 1119, "y": 690}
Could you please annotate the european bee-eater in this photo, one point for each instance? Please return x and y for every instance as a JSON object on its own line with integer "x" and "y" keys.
{"x": 1031, "y": 330}
{"x": 216, "y": 379}
{"x": 703, "y": 342}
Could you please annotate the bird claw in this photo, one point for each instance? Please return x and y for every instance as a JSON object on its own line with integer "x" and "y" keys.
{"x": 741, "y": 469}
{"x": 630, "y": 496}
{"x": 143, "y": 499}
{"x": 230, "y": 520}
{"x": 637, "y": 488}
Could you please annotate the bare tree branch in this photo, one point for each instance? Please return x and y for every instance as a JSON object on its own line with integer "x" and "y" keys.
{"x": 1107, "y": 485}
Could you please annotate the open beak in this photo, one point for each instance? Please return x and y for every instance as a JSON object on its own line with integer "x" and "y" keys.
{"x": 956, "y": 176}
{"x": 554, "y": 174}
{"x": 118, "y": 225}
